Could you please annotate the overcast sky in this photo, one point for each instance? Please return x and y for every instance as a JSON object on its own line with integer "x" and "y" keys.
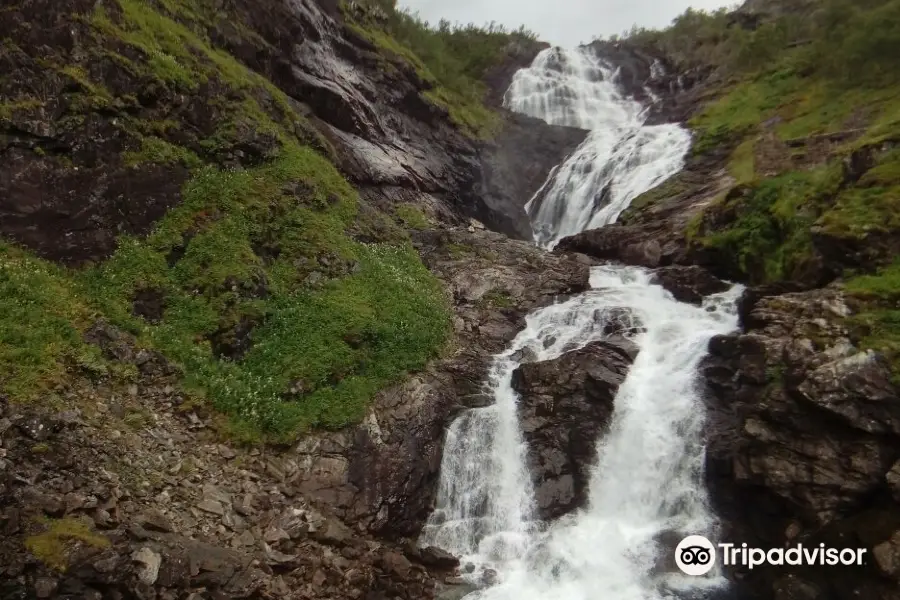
{"x": 561, "y": 22}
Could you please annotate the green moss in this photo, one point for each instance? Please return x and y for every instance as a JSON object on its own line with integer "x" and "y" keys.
{"x": 769, "y": 237}
{"x": 54, "y": 546}
{"x": 466, "y": 111}
{"x": 740, "y": 111}
{"x": 883, "y": 285}
{"x": 497, "y": 298}
{"x": 158, "y": 151}
{"x": 878, "y": 328}
{"x": 412, "y": 216}
{"x": 870, "y": 206}
{"x": 742, "y": 164}
{"x": 8, "y": 109}
{"x": 452, "y": 61}
{"x": 41, "y": 313}
{"x": 458, "y": 251}
{"x": 335, "y": 320}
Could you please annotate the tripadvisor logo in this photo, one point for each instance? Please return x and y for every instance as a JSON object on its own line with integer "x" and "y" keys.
{"x": 696, "y": 555}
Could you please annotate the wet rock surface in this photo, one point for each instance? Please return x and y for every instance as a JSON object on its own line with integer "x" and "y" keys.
{"x": 689, "y": 284}
{"x": 565, "y": 406}
{"x": 803, "y": 437}
{"x": 515, "y": 164}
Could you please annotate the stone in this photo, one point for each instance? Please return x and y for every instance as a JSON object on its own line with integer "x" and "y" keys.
{"x": 887, "y": 557}
{"x": 246, "y": 539}
{"x": 149, "y": 562}
{"x": 45, "y": 587}
{"x": 396, "y": 563}
{"x": 437, "y": 558}
{"x": 893, "y": 480}
{"x": 564, "y": 406}
{"x": 211, "y": 506}
{"x": 690, "y": 283}
{"x": 155, "y": 520}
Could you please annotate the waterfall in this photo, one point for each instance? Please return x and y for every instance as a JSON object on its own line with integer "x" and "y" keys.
{"x": 621, "y": 158}
{"x": 646, "y": 483}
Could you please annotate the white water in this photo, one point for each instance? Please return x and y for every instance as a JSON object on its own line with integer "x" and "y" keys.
{"x": 621, "y": 157}
{"x": 647, "y": 480}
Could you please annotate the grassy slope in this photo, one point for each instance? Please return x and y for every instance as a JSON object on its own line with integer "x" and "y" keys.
{"x": 452, "y": 60}
{"x": 843, "y": 77}
{"x": 272, "y": 247}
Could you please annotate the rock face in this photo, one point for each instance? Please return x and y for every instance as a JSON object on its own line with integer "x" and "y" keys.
{"x": 804, "y": 437}
{"x": 565, "y": 405}
{"x": 514, "y": 167}
{"x": 689, "y": 284}
{"x": 382, "y": 474}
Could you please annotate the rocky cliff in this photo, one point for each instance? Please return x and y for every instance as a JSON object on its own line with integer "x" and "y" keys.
{"x": 243, "y": 293}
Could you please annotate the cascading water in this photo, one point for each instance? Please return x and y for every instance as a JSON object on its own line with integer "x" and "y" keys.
{"x": 621, "y": 158}
{"x": 647, "y": 481}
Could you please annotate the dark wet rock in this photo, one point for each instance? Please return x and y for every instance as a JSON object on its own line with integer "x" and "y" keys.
{"x": 565, "y": 405}
{"x": 689, "y": 284}
{"x": 803, "y": 434}
{"x": 149, "y": 304}
{"x": 514, "y": 166}
{"x": 437, "y": 558}
{"x": 75, "y": 215}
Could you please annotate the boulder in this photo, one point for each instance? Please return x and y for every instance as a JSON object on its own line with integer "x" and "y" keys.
{"x": 565, "y": 406}
{"x": 689, "y": 284}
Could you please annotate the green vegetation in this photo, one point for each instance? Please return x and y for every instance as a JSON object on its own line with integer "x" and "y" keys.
{"x": 877, "y": 323}
{"x": 156, "y": 150}
{"x": 41, "y": 315}
{"x": 796, "y": 97}
{"x": 272, "y": 309}
{"x": 61, "y": 537}
{"x": 497, "y": 298}
{"x": 412, "y": 216}
{"x": 452, "y": 60}
{"x": 769, "y": 238}
{"x": 332, "y": 320}
{"x": 805, "y": 104}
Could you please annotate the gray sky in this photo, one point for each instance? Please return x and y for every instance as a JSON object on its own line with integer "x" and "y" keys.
{"x": 561, "y": 22}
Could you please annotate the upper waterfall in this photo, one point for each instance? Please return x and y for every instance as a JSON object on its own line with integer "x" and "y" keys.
{"x": 621, "y": 158}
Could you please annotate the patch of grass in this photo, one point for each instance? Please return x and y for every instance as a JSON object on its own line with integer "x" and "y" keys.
{"x": 333, "y": 320}
{"x": 497, "y": 298}
{"x": 158, "y": 151}
{"x": 670, "y": 188}
{"x": 882, "y": 286}
{"x": 452, "y": 61}
{"x": 870, "y": 206}
{"x": 728, "y": 120}
{"x": 412, "y": 216}
{"x": 41, "y": 313}
{"x": 62, "y": 537}
{"x": 10, "y": 108}
{"x": 768, "y": 237}
{"x": 458, "y": 251}
{"x": 742, "y": 164}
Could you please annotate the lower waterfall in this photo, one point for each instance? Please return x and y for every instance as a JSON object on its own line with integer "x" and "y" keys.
{"x": 646, "y": 483}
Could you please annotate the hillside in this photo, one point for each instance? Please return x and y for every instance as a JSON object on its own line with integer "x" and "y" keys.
{"x": 791, "y": 188}
{"x": 229, "y": 227}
